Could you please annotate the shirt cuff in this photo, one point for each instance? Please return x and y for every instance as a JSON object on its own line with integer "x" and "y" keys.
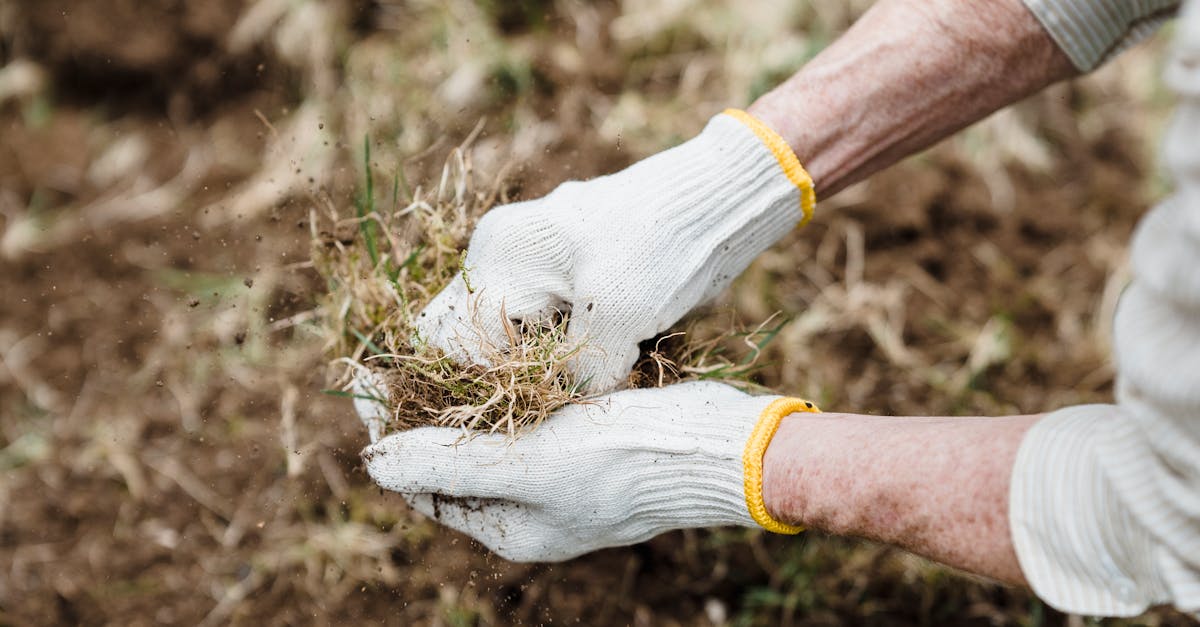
{"x": 1092, "y": 31}
{"x": 1077, "y": 544}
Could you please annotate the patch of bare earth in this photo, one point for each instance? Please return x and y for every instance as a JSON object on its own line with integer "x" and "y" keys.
{"x": 166, "y": 453}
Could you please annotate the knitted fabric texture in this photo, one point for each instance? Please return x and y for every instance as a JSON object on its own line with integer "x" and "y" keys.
{"x": 752, "y": 460}
{"x": 627, "y": 255}
{"x": 1105, "y": 499}
{"x": 787, "y": 161}
{"x": 615, "y": 471}
{"x": 1090, "y": 32}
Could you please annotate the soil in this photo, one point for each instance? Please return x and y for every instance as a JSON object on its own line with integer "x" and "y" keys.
{"x": 167, "y": 455}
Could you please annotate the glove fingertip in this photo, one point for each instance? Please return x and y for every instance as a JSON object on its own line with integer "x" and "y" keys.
{"x": 378, "y": 459}
{"x": 412, "y": 461}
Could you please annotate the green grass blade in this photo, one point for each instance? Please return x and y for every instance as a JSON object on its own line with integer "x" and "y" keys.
{"x": 375, "y": 350}
{"x": 365, "y": 206}
{"x": 370, "y": 177}
{"x": 352, "y": 395}
{"x": 767, "y": 337}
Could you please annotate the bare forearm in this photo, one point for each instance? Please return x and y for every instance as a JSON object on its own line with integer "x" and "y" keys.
{"x": 935, "y": 486}
{"x": 906, "y": 75}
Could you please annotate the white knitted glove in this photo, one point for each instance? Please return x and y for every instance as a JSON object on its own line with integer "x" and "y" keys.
{"x": 627, "y": 255}
{"x": 627, "y": 467}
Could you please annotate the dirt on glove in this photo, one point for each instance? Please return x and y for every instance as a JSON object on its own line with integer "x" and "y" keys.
{"x": 166, "y": 453}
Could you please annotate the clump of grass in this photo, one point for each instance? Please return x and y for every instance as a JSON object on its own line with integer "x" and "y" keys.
{"x": 384, "y": 263}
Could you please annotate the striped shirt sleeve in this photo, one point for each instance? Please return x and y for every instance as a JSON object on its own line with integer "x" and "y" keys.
{"x": 1105, "y": 499}
{"x": 1093, "y": 31}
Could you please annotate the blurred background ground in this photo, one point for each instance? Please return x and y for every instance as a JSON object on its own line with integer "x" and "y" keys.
{"x": 166, "y": 455}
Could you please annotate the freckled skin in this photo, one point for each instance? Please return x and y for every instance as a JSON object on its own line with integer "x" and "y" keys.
{"x": 904, "y": 76}
{"x": 907, "y": 74}
{"x": 934, "y": 486}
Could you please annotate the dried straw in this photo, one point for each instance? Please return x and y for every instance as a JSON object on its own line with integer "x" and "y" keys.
{"x": 383, "y": 266}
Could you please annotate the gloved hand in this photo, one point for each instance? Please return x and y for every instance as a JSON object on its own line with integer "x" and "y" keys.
{"x": 627, "y": 254}
{"x": 617, "y": 471}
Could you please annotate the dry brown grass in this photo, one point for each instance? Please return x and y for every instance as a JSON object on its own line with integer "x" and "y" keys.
{"x": 166, "y": 453}
{"x": 383, "y": 266}
{"x": 385, "y": 263}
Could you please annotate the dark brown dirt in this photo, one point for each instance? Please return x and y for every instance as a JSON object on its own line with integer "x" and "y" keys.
{"x": 167, "y": 456}
{"x": 160, "y": 56}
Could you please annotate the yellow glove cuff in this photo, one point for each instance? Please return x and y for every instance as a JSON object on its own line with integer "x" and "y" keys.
{"x": 752, "y": 459}
{"x": 786, "y": 158}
